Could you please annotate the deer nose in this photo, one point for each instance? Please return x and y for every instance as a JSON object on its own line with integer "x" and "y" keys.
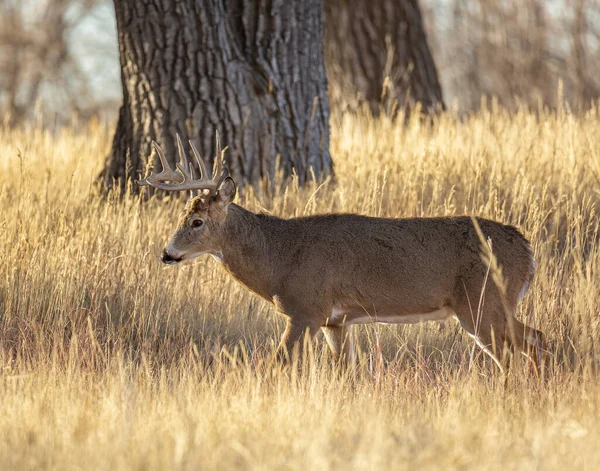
{"x": 166, "y": 258}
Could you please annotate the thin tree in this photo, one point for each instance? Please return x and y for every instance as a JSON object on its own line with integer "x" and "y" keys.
{"x": 253, "y": 71}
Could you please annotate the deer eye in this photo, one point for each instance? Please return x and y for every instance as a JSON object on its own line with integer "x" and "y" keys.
{"x": 197, "y": 223}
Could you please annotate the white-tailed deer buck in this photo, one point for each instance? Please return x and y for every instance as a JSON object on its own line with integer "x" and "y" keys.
{"x": 332, "y": 271}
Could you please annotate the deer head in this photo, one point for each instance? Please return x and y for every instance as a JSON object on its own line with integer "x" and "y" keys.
{"x": 201, "y": 223}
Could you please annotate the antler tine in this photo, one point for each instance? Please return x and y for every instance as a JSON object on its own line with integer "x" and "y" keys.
{"x": 184, "y": 166}
{"x": 167, "y": 173}
{"x": 218, "y": 162}
{"x": 199, "y": 161}
{"x": 219, "y": 170}
{"x": 161, "y": 156}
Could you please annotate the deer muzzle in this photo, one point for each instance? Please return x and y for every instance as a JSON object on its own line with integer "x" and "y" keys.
{"x": 166, "y": 258}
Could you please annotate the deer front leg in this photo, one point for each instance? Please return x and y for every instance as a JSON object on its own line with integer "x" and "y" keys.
{"x": 341, "y": 343}
{"x": 294, "y": 339}
{"x": 304, "y": 318}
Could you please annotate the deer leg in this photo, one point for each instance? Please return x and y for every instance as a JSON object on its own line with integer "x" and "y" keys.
{"x": 294, "y": 338}
{"x": 494, "y": 331}
{"x": 487, "y": 330}
{"x": 341, "y": 343}
{"x": 528, "y": 341}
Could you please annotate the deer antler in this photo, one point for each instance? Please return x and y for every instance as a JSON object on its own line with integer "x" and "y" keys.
{"x": 183, "y": 179}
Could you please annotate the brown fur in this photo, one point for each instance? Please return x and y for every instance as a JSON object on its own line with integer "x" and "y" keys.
{"x": 363, "y": 266}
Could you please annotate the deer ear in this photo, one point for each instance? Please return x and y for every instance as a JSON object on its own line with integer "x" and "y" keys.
{"x": 227, "y": 191}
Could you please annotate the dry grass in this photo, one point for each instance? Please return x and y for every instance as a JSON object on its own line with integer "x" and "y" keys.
{"x": 110, "y": 360}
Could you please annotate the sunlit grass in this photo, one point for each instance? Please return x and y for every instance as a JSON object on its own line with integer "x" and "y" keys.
{"x": 111, "y": 360}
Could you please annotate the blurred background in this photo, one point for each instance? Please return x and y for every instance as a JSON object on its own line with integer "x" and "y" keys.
{"x": 59, "y": 59}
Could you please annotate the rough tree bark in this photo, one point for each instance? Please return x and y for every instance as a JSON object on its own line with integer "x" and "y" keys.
{"x": 376, "y": 53}
{"x": 251, "y": 70}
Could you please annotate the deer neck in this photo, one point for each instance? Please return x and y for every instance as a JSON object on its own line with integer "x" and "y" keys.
{"x": 247, "y": 250}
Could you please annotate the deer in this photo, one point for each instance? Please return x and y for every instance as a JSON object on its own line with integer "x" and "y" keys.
{"x": 330, "y": 272}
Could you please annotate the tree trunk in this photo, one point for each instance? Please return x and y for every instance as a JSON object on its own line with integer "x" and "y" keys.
{"x": 376, "y": 53}
{"x": 251, "y": 70}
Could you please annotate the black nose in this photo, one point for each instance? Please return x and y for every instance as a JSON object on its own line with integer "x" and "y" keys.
{"x": 166, "y": 258}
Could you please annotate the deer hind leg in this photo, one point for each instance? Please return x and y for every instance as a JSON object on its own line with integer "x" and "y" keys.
{"x": 527, "y": 340}
{"x": 485, "y": 327}
{"x": 341, "y": 343}
{"x": 495, "y": 332}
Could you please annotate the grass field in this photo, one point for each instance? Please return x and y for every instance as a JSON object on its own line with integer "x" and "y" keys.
{"x": 111, "y": 360}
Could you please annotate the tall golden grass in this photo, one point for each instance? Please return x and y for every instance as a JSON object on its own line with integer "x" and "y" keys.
{"x": 111, "y": 360}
